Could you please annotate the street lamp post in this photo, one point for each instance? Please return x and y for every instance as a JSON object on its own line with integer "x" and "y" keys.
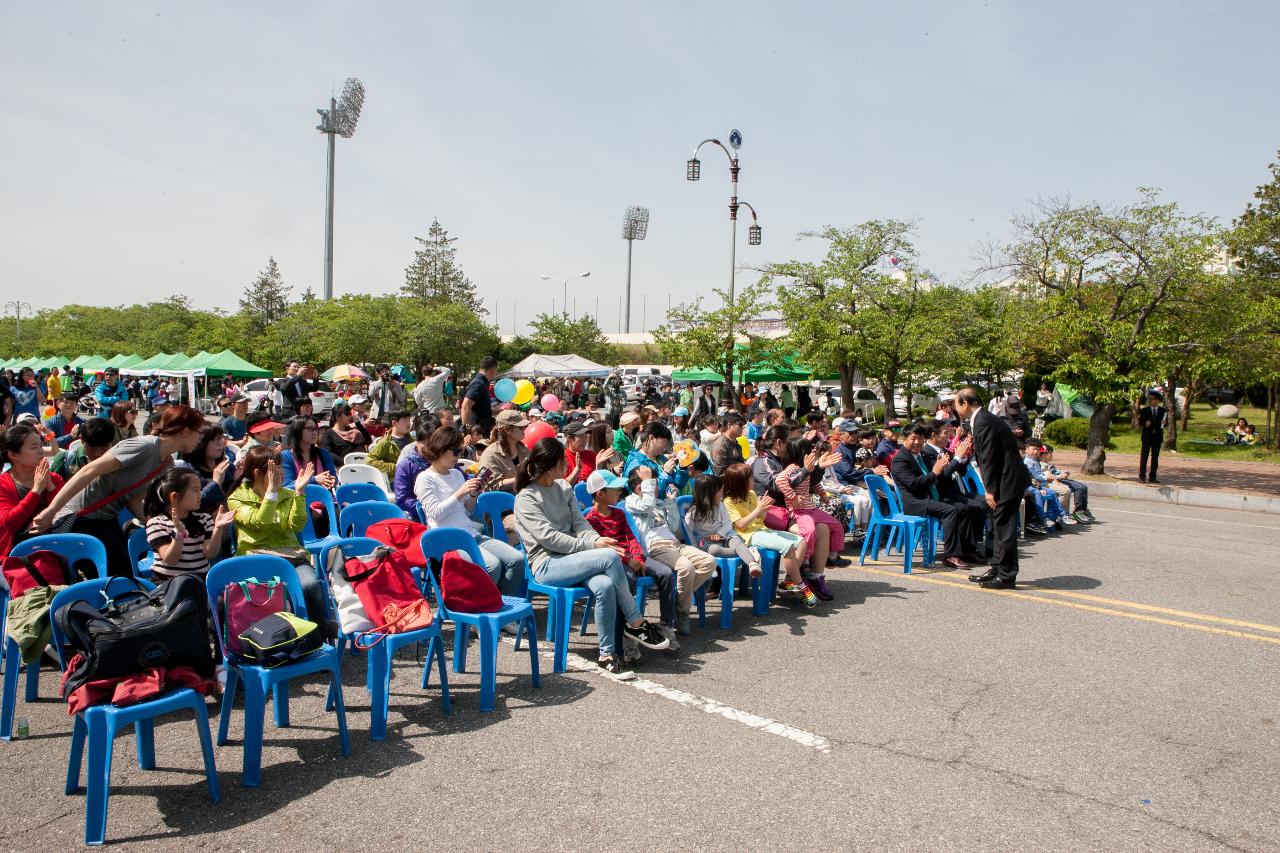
{"x": 693, "y": 172}
{"x": 17, "y": 306}
{"x": 565, "y": 282}
{"x": 339, "y": 120}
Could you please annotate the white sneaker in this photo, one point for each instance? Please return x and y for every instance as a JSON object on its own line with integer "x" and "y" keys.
{"x": 670, "y": 633}
{"x": 1068, "y": 520}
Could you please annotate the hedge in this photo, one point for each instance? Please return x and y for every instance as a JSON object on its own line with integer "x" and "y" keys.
{"x": 1070, "y": 432}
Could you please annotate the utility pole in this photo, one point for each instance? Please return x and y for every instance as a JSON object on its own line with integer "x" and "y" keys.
{"x": 17, "y": 306}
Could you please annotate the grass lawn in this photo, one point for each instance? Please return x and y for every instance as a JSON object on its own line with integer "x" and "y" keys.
{"x": 1204, "y": 424}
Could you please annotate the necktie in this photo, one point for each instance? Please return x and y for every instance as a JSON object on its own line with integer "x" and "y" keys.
{"x": 933, "y": 490}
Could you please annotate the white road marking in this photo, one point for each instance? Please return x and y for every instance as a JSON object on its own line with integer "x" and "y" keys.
{"x": 817, "y": 743}
{"x": 1106, "y": 508}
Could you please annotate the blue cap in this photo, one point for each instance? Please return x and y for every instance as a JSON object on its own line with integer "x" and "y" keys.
{"x": 681, "y": 412}
{"x": 603, "y": 479}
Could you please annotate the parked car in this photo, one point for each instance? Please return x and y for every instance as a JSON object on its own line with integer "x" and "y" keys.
{"x": 1219, "y": 396}
{"x": 265, "y": 389}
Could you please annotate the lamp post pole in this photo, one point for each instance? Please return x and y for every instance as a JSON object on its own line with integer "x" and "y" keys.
{"x": 565, "y": 282}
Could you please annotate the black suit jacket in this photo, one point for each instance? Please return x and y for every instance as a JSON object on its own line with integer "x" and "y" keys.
{"x": 913, "y": 484}
{"x": 1152, "y": 424}
{"x": 947, "y": 485}
{"x": 996, "y": 452}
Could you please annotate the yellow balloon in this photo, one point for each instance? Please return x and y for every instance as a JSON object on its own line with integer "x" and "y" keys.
{"x": 524, "y": 392}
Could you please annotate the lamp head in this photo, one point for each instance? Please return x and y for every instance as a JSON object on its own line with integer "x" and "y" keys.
{"x": 753, "y": 235}
{"x": 693, "y": 169}
{"x": 545, "y": 277}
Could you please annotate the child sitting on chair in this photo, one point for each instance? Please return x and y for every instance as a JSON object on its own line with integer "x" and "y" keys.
{"x": 708, "y": 524}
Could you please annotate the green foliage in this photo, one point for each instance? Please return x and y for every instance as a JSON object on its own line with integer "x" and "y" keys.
{"x": 557, "y": 334}
{"x": 1255, "y": 241}
{"x": 1068, "y": 432}
{"x": 718, "y": 339}
{"x": 434, "y": 277}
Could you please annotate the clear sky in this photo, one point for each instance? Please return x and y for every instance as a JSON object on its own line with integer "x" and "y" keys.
{"x": 159, "y": 148}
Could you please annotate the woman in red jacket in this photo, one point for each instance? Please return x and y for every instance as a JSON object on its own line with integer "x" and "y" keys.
{"x": 28, "y": 485}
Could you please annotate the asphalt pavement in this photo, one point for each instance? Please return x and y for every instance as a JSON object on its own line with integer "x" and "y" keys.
{"x": 1125, "y": 696}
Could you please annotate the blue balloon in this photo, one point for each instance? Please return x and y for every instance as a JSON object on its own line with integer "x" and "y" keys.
{"x": 505, "y": 390}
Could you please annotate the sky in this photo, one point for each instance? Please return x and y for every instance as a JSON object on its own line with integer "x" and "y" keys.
{"x": 152, "y": 149}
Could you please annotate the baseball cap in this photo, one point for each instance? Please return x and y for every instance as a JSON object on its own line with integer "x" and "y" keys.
{"x": 843, "y": 425}
{"x": 628, "y": 418}
{"x": 601, "y": 479}
{"x": 681, "y": 412}
{"x": 575, "y": 428}
{"x": 535, "y": 412}
{"x": 358, "y": 399}
{"x": 894, "y": 425}
{"x": 27, "y": 418}
{"x": 511, "y": 418}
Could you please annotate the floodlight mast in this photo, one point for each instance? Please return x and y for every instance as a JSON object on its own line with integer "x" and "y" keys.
{"x": 635, "y": 226}
{"x": 339, "y": 120}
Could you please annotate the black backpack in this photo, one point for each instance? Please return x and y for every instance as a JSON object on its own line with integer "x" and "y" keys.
{"x": 138, "y": 630}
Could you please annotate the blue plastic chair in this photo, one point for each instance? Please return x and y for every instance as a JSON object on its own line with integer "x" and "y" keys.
{"x": 259, "y": 680}
{"x": 99, "y": 724}
{"x": 74, "y": 547}
{"x": 314, "y": 544}
{"x": 913, "y": 528}
{"x": 584, "y": 498}
{"x": 350, "y": 493}
{"x": 378, "y": 674}
{"x": 140, "y": 556}
{"x": 699, "y": 595}
{"x": 490, "y": 507}
{"x": 435, "y": 544}
{"x": 354, "y": 519}
{"x": 728, "y": 568}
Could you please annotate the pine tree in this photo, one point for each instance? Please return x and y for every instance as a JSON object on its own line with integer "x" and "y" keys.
{"x": 434, "y": 277}
{"x": 308, "y": 295}
{"x": 266, "y": 300}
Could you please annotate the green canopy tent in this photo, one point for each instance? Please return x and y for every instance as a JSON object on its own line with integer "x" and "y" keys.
{"x": 788, "y": 369}
{"x": 226, "y": 361}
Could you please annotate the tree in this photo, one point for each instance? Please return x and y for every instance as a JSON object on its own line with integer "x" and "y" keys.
{"x": 826, "y": 304}
{"x": 1112, "y": 280}
{"x": 720, "y": 339}
{"x": 557, "y": 334}
{"x": 445, "y": 334}
{"x": 265, "y": 301}
{"x": 434, "y": 277}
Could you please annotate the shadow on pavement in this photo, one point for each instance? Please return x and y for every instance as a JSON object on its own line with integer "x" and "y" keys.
{"x": 1064, "y": 582}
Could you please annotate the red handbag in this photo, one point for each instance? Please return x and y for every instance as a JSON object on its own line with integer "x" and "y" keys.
{"x": 403, "y": 535}
{"x": 466, "y": 587}
{"x": 391, "y": 600}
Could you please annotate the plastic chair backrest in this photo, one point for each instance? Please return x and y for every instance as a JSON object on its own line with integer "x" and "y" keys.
{"x": 352, "y": 546}
{"x": 631, "y": 522}
{"x": 584, "y": 499}
{"x": 260, "y": 567}
{"x": 138, "y": 546}
{"x": 363, "y": 474}
{"x": 682, "y": 506}
{"x": 879, "y": 489}
{"x": 973, "y": 481}
{"x": 436, "y": 543}
{"x": 490, "y": 507}
{"x": 72, "y": 546}
{"x": 356, "y": 518}
{"x": 357, "y": 458}
{"x": 318, "y": 493}
{"x": 91, "y": 591}
{"x": 350, "y": 493}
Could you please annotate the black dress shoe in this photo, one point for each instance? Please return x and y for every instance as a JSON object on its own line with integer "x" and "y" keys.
{"x": 997, "y": 583}
{"x": 1153, "y": 480}
{"x": 988, "y": 575}
{"x": 1142, "y": 479}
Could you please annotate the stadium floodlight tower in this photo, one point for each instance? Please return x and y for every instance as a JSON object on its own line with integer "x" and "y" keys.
{"x": 339, "y": 120}
{"x": 635, "y": 225}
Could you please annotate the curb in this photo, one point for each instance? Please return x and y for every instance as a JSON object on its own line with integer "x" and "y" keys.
{"x": 1185, "y": 497}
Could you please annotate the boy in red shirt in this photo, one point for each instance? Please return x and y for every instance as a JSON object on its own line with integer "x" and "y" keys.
{"x": 609, "y": 520}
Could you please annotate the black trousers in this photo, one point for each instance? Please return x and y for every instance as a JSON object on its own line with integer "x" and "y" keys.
{"x": 975, "y": 511}
{"x": 954, "y": 518}
{"x": 109, "y": 533}
{"x": 1004, "y": 529}
{"x": 1150, "y": 447}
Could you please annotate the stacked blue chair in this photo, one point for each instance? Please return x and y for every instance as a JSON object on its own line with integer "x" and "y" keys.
{"x": 435, "y": 544}
{"x": 913, "y": 528}
{"x": 140, "y": 556}
{"x": 354, "y": 519}
{"x": 73, "y": 547}
{"x": 584, "y": 497}
{"x": 350, "y": 493}
{"x": 99, "y": 724}
{"x": 378, "y": 675}
{"x": 257, "y": 680}
{"x": 316, "y": 493}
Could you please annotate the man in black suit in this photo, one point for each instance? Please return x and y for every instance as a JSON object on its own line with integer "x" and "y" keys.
{"x": 949, "y": 486}
{"x": 1151, "y": 418}
{"x": 918, "y": 484}
{"x": 1005, "y": 477}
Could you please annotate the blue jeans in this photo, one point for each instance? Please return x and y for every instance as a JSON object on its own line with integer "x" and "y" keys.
{"x": 504, "y": 563}
{"x": 1080, "y": 491}
{"x": 599, "y": 570}
{"x": 664, "y": 582}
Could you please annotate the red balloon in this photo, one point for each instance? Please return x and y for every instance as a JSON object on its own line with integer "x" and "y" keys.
{"x": 535, "y": 432}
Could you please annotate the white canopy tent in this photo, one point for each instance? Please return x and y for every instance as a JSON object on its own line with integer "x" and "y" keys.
{"x": 558, "y": 366}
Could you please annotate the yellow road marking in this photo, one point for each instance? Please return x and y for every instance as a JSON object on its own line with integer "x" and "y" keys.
{"x": 1139, "y": 617}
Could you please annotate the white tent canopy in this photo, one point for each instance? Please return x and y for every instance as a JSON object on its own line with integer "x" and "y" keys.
{"x": 557, "y": 366}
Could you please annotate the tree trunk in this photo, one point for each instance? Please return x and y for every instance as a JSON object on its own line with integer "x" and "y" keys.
{"x": 1171, "y": 440}
{"x": 886, "y": 391}
{"x": 1099, "y": 431}
{"x": 846, "y": 385}
{"x": 1193, "y": 391}
{"x": 1271, "y": 405}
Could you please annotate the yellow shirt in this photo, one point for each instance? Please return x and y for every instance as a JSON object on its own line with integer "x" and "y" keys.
{"x": 739, "y": 510}
{"x": 54, "y": 386}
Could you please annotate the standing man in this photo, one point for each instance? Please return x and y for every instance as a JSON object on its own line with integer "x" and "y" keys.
{"x": 386, "y": 392}
{"x": 283, "y": 401}
{"x": 1151, "y": 421}
{"x": 429, "y": 395}
{"x": 110, "y": 391}
{"x": 477, "y": 408}
{"x": 297, "y": 390}
{"x": 995, "y": 450}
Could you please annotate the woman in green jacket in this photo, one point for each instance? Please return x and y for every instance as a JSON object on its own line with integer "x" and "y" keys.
{"x": 269, "y": 518}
